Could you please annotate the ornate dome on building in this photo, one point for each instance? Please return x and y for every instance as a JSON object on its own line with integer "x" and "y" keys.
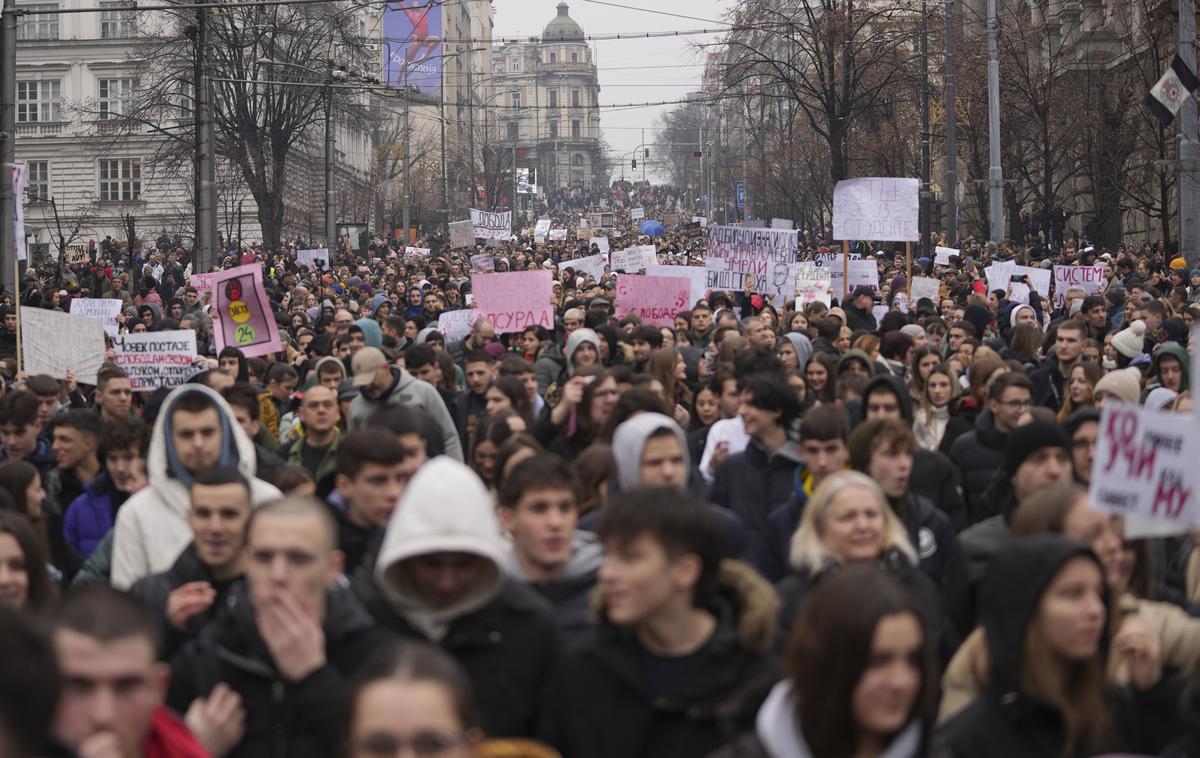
{"x": 563, "y": 28}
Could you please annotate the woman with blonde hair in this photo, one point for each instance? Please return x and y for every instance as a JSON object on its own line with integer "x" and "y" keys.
{"x": 848, "y": 520}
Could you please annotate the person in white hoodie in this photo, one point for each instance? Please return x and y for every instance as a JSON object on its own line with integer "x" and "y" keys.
{"x": 195, "y": 431}
{"x": 858, "y": 677}
{"x": 439, "y": 577}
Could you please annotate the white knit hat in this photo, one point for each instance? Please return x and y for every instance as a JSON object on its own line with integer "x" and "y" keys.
{"x": 1129, "y": 342}
{"x": 1124, "y": 384}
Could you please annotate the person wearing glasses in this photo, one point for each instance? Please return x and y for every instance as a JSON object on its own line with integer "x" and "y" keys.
{"x": 980, "y": 452}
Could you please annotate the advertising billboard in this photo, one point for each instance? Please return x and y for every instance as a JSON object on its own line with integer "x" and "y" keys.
{"x": 412, "y": 45}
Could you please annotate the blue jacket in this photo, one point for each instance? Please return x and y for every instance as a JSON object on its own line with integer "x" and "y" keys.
{"x": 90, "y": 516}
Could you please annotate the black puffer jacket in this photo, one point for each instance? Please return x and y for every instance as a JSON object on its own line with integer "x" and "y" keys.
{"x": 154, "y": 590}
{"x": 753, "y": 483}
{"x": 602, "y": 708}
{"x": 283, "y": 719}
{"x": 1005, "y": 720}
{"x": 978, "y": 454}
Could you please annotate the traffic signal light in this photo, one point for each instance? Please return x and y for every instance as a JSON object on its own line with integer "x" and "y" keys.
{"x": 635, "y": 163}
{"x": 647, "y": 153}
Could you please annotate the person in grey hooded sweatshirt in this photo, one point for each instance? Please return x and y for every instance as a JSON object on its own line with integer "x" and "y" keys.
{"x": 539, "y": 508}
{"x": 439, "y": 577}
{"x": 195, "y": 431}
{"x": 651, "y": 450}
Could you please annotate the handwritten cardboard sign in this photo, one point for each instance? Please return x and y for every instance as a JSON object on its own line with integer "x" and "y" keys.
{"x": 53, "y": 341}
{"x": 104, "y": 310}
{"x": 156, "y": 359}
{"x": 456, "y": 325}
{"x": 1090, "y": 278}
{"x": 634, "y": 258}
{"x": 515, "y": 300}
{"x": 769, "y": 255}
{"x": 242, "y": 312}
{"x": 317, "y": 258}
{"x": 653, "y": 299}
{"x": 876, "y": 208}
{"x": 695, "y": 274}
{"x": 591, "y": 265}
{"x": 490, "y": 225}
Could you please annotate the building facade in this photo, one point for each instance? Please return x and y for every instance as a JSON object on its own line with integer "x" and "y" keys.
{"x": 94, "y": 147}
{"x": 548, "y": 95}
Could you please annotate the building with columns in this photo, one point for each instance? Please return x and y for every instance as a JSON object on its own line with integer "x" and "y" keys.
{"x": 547, "y": 93}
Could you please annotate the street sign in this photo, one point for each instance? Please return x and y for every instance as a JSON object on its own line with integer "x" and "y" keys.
{"x": 741, "y": 195}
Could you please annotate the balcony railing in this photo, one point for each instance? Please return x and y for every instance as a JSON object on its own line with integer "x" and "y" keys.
{"x": 40, "y": 128}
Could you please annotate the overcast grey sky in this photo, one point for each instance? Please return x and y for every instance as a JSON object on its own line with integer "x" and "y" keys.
{"x": 631, "y": 71}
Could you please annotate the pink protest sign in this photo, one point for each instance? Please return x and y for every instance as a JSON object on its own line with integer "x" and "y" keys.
{"x": 202, "y": 283}
{"x": 514, "y": 300}
{"x": 653, "y": 299}
{"x": 242, "y": 315}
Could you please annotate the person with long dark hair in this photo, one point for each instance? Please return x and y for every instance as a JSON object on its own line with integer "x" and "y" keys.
{"x": 25, "y": 582}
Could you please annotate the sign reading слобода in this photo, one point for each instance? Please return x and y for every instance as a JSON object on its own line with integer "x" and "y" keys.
{"x": 513, "y": 301}
{"x": 242, "y": 315}
{"x": 876, "y": 208}
{"x": 653, "y": 299}
{"x": 490, "y": 225}
{"x": 156, "y": 359}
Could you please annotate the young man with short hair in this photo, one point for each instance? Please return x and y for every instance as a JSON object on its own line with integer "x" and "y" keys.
{"x": 522, "y": 369}
{"x": 281, "y": 381}
{"x": 19, "y": 432}
{"x": 113, "y": 701}
{"x": 188, "y": 594}
{"x": 244, "y": 403}
{"x": 539, "y": 508}
{"x": 90, "y": 516}
{"x": 47, "y": 391}
{"x": 1050, "y": 379}
{"x": 75, "y": 445}
{"x": 979, "y": 452}
{"x": 114, "y": 393}
{"x": 197, "y": 431}
{"x": 370, "y": 480}
{"x": 679, "y": 637}
{"x": 289, "y": 642}
{"x": 480, "y": 369}
{"x": 315, "y": 450}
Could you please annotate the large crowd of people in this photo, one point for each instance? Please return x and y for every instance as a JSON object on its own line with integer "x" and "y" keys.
{"x": 856, "y": 526}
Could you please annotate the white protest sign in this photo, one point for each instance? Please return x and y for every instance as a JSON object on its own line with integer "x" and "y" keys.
{"x": 600, "y": 242}
{"x": 925, "y": 286}
{"x": 490, "y": 225}
{"x": 53, "y": 341}
{"x": 513, "y": 301}
{"x": 637, "y": 214}
{"x": 782, "y": 223}
{"x": 696, "y": 275}
{"x": 315, "y": 258}
{"x": 558, "y": 235}
{"x": 1090, "y": 278}
{"x": 456, "y": 325}
{"x": 1145, "y": 466}
{"x": 591, "y": 265}
{"x": 835, "y": 263}
{"x": 653, "y": 299}
{"x": 541, "y": 228}
{"x": 104, "y": 310}
{"x": 862, "y": 274}
{"x": 879, "y": 311}
{"x": 701, "y": 220}
{"x": 769, "y": 255}
{"x": 942, "y": 255}
{"x": 156, "y": 359}
{"x": 419, "y": 252}
{"x": 1000, "y": 275}
{"x": 634, "y": 258}
{"x": 813, "y": 284}
{"x": 483, "y": 263}
{"x": 462, "y": 234}
{"x": 876, "y": 208}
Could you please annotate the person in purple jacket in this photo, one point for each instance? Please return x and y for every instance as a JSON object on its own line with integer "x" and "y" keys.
{"x": 91, "y": 515}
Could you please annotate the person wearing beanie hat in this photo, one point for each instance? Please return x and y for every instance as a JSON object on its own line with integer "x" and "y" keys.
{"x": 1036, "y": 456}
{"x": 1083, "y": 428}
{"x": 446, "y": 526}
{"x": 583, "y": 349}
{"x": 1129, "y": 342}
{"x": 1124, "y": 384}
{"x": 1022, "y": 313}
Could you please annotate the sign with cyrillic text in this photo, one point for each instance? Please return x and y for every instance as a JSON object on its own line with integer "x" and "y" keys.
{"x": 515, "y": 300}
{"x": 490, "y": 225}
{"x": 876, "y": 208}
{"x": 53, "y": 341}
{"x": 653, "y": 299}
{"x": 242, "y": 314}
{"x": 104, "y": 310}
{"x": 769, "y": 255}
{"x": 156, "y": 359}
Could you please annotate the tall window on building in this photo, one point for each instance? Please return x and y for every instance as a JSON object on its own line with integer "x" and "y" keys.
{"x": 514, "y": 130}
{"x": 553, "y": 130}
{"x": 514, "y": 64}
{"x": 115, "y": 23}
{"x": 553, "y": 98}
{"x": 554, "y": 57}
{"x": 38, "y": 181}
{"x": 37, "y": 101}
{"x": 114, "y": 97}
{"x": 187, "y": 98}
{"x": 516, "y": 98}
{"x": 40, "y": 26}
{"x": 120, "y": 179}
{"x": 574, "y": 56}
{"x": 576, "y": 128}
{"x": 574, "y": 98}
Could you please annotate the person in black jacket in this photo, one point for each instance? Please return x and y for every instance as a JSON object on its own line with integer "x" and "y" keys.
{"x": 755, "y": 481}
{"x": 680, "y": 634}
{"x": 188, "y": 595}
{"x": 1050, "y": 380}
{"x": 859, "y": 316}
{"x": 979, "y": 453}
{"x": 438, "y": 576}
{"x": 1046, "y": 613}
{"x": 288, "y": 641}
{"x": 373, "y": 466}
{"x": 883, "y": 450}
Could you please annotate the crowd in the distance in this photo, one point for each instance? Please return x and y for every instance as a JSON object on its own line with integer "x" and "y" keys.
{"x": 854, "y": 529}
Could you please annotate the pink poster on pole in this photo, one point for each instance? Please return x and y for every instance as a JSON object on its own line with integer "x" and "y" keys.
{"x": 242, "y": 315}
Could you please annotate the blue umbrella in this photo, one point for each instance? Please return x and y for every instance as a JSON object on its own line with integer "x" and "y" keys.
{"x": 652, "y": 228}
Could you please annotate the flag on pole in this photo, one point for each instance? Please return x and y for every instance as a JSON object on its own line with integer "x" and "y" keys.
{"x": 1169, "y": 93}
